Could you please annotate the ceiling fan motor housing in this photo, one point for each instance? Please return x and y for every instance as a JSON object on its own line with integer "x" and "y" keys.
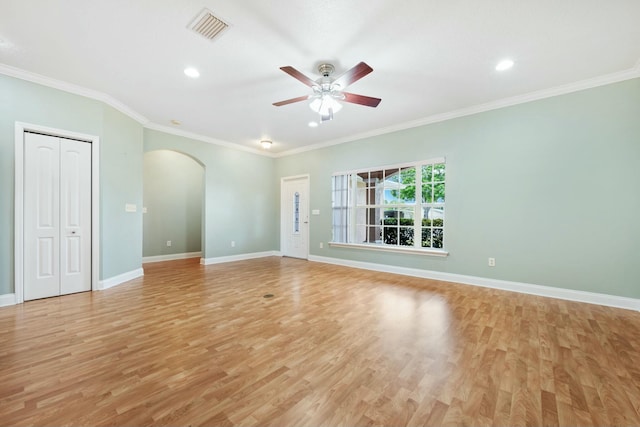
{"x": 325, "y": 83}
{"x": 326, "y": 69}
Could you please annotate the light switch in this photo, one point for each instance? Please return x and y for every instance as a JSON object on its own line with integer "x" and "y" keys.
{"x": 129, "y": 207}
{"x": 315, "y": 212}
{"x": 144, "y": 209}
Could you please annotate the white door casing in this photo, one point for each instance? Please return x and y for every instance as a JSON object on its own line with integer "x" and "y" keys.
{"x": 79, "y": 252}
{"x": 294, "y": 217}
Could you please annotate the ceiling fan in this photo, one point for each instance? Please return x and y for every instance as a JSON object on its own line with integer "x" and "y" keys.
{"x": 327, "y": 91}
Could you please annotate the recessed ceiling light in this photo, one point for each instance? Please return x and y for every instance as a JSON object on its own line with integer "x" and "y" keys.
{"x": 192, "y": 72}
{"x": 505, "y": 64}
{"x": 313, "y": 124}
{"x": 266, "y": 144}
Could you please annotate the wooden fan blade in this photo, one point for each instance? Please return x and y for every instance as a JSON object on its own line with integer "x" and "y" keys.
{"x": 298, "y": 75}
{"x": 291, "y": 101}
{"x": 361, "y": 99}
{"x": 353, "y": 75}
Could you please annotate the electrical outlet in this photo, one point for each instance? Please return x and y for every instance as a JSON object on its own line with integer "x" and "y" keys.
{"x": 233, "y": 244}
{"x": 492, "y": 262}
{"x": 168, "y": 242}
{"x": 321, "y": 245}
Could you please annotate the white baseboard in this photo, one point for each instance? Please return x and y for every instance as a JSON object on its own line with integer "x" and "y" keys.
{"x": 171, "y": 257}
{"x": 120, "y": 278}
{"x": 7, "y": 299}
{"x": 240, "y": 257}
{"x": 526, "y": 288}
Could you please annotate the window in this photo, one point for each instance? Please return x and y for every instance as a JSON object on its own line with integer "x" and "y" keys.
{"x": 296, "y": 213}
{"x": 395, "y": 207}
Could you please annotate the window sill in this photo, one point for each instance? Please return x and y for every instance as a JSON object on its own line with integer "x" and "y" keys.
{"x": 388, "y": 248}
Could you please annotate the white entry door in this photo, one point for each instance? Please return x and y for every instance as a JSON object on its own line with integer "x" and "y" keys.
{"x": 57, "y": 216}
{"x": 295, "y": 217}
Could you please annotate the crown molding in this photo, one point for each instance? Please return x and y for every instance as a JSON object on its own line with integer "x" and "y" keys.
{"x": 112, "y": 102}
{"x": 124, "y": 109}
{"x": 628, "y": 74}
{"x": 481, "y": 108}
{"x": 72, "y": 88}
{"x": 202, "y": 138}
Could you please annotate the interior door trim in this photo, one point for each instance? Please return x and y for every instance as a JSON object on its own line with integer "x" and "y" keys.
{"x": 20, "y": 129}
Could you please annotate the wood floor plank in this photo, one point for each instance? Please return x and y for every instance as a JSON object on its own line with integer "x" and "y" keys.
{"x": 190, "y": 345}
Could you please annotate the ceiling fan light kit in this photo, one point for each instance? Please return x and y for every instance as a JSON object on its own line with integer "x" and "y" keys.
{"x": 327, "y": 92}
{"x": 325, "y": 105}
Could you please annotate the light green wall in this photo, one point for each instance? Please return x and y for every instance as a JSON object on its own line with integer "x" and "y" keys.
{"x": 241, "y": 200}
{"x": 173, "y": 194}
{"x": 120, "y": 173}
{"x": 549, "y": 188}
{"x": 120, "y": 184}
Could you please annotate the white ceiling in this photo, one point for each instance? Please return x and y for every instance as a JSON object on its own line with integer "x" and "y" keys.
{"x": 431, "y": 58}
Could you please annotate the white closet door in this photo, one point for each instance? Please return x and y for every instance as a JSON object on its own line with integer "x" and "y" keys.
{"x": 41, "y": 216}
{"x": 57, "y": 218}
{"x": 75, "y": 216}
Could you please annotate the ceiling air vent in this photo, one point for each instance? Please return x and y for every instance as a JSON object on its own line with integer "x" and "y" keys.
{"x": 208, "y": 25}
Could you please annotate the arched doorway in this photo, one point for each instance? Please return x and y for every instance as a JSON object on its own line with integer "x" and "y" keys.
{"x": 173, "y": 206}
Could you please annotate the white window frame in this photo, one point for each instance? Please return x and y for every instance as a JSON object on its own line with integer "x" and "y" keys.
{"x": 352, "y": 209}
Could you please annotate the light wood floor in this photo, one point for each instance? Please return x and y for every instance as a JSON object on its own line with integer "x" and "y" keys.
{"x": 193, "y": 345}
